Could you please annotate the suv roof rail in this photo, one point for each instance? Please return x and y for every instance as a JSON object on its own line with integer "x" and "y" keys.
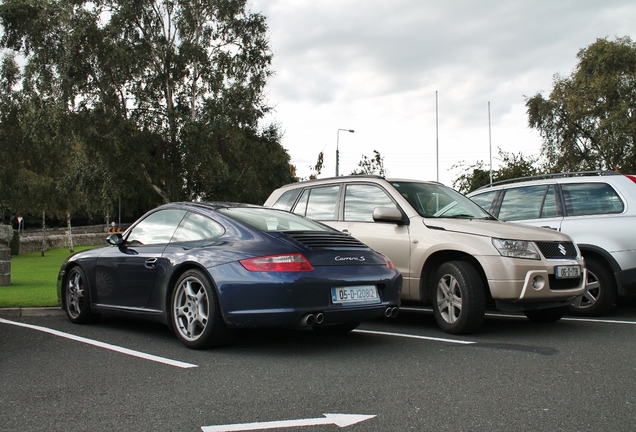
{"x": 342, "y": 177}
{"x": 551, "y": 175}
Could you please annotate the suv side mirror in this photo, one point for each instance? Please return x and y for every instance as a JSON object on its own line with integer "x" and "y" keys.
{"x": 387, "y": 214}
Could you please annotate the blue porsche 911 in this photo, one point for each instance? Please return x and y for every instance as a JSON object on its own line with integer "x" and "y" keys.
{"x": 207, "y": 268}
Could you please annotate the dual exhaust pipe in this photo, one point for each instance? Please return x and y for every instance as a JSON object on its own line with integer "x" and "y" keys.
{"x": 312, "y": 319}
{"x": 391, "y": 312}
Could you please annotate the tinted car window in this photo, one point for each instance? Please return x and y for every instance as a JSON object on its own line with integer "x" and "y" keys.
{"x": 591, "y": 198}
{"x": 485, "y": 199}
{"x": 318, "y": 203}
{"x": 198, "y": 227}
{"x": 272, "y": 220}
{"x": 360, "y": 200}
{"x": 301, "y": 207}
{"x": 527, "y": 203}
{"x": 286, "y": 200}
{"x": 157, "y": 228}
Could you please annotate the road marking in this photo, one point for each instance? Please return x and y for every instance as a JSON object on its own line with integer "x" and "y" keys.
{"x": 410, "y": 336}
{"x": 104, "y": 345}
{"x": 340, "y": 420}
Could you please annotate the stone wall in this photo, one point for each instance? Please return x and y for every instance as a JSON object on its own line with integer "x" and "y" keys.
{"x": 5, "y": 266}
{"x": 95, "y": 235}
{"x": 33, "y": 243}
{"x": 6, "y": 234}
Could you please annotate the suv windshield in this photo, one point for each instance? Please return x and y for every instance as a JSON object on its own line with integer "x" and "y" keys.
{"x": 438, "y": 201}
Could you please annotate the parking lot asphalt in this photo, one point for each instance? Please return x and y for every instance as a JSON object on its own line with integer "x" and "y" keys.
{"x": 402, "y": 374}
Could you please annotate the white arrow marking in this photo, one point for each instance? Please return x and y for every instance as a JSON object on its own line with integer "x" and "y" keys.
{"x": 340, "y": 420}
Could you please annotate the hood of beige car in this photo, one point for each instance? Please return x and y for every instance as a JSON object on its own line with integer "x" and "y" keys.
{"x": 492, "y": 228}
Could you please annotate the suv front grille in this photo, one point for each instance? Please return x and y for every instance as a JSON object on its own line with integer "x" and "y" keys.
{"x": 317, "y": 240}
{"x": 564, "y": 284}
{"x": 558, "y": 250}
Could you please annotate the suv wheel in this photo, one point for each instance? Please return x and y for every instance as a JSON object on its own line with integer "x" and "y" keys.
{"x": 600, "y": 291}
{"x": 459, "y": 303}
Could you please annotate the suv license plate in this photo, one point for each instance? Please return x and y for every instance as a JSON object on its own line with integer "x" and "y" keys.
{"x": 355, "y": 294}
{"x": 567, "y": 272}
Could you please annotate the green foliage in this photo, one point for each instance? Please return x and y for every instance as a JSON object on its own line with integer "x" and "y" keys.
{"x": 588, "y": 122}
{"x": 373, "y": 165}
{"x": 143, "y": 101}
{"x": 317, "y": 169}
{"x": 512, "y": 166}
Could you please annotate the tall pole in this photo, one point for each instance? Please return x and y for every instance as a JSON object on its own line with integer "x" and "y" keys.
{"x": 338, "y": 148}
{"x": 490, "y": 142}
{"x": 437, "y": 135}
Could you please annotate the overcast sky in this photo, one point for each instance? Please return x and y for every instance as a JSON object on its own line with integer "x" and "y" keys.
{"x": 375, "y": 66}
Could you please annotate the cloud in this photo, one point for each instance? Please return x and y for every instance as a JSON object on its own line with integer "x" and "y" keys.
{"x": 376, "y": 66}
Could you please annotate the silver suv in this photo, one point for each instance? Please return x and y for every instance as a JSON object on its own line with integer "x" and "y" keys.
{"x": 597, "y": 209}
{"x": 451, "y": 253}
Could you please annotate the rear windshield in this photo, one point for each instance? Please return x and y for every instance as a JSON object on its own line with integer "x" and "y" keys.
{"x": 266, "y": 219}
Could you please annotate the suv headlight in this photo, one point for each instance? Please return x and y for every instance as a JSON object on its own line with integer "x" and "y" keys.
{"x": 516, "y": 248}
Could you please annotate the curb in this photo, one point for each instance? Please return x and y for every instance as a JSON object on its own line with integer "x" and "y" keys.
{"x": 31, "y": 312}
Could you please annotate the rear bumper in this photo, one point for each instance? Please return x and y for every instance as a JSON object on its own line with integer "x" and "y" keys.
{"x": 250, "y": 299}
{"x": 296, "y": 317}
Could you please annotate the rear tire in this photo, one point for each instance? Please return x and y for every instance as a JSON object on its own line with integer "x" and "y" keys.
{"x": 459, "y": 303}
{"x": 547, "y": 315}
{"x": 195, "y": 312}
{"x": 77, "y": 303}
{"x": 600, "y": 291}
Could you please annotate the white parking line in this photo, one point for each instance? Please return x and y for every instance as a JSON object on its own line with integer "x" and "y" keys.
{"x": 116, "y": 348}
{"x": 456, "y": 341}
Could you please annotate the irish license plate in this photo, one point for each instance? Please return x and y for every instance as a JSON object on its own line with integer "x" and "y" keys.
{"x": 355, "y": 294}
{"x": 567, "y": 272}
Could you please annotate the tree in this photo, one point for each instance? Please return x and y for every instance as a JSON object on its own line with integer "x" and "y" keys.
{"x": 374, "y": 165}
{"x": 512, "y": 166}
{"x": 317, "y": 169}
{"x": 154, "y": 100}
{"x": 589, "y": 120}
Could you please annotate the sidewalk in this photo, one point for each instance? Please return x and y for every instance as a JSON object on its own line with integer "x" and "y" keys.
{"x": 26, "y": 312}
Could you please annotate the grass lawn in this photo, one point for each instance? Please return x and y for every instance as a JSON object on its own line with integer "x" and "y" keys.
{"x": 34, "y": 278}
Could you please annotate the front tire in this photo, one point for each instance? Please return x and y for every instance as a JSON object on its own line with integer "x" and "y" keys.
{"x": 77, "y": 302}
{"x": 546, "y": 315}
{"x": 600, "y": 291}
{"x": 195, "y": 312}
{"x": 459, "y": 303}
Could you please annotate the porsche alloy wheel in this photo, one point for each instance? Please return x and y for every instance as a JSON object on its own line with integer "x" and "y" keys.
{"x": 195, "y": 312}
{"x": 76, "y": 297}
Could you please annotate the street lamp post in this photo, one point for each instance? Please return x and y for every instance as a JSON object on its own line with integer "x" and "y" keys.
{"x": 337, "y": 148}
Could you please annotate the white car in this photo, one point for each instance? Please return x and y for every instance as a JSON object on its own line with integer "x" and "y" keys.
{"x": 451, "y": 253}
{"x": 596, "y": 209}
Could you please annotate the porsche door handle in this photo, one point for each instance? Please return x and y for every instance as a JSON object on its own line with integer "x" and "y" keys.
{"x": 151, "y": 263}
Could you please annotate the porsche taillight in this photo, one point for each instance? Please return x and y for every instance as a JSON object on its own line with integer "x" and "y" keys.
{"x": 388, "y": 262}
{"x": 278, "y": 263}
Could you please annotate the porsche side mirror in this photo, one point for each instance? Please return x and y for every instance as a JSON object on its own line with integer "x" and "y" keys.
{"x": 115, "y": 239}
